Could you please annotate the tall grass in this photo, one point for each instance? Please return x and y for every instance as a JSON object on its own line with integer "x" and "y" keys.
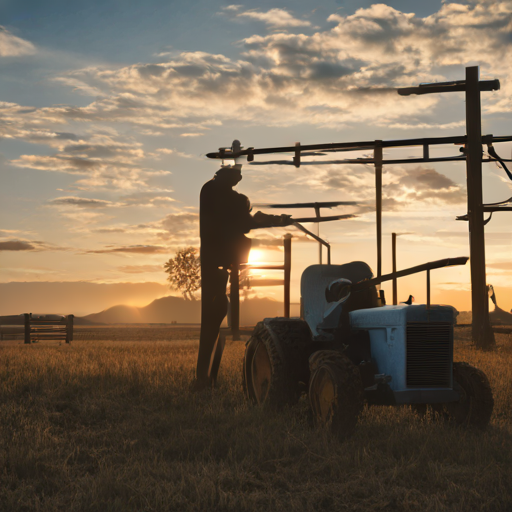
{"x": 112, "y": 426}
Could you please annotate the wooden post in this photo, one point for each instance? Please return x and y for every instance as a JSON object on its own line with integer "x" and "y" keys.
{"x": 69, "y": 328}
{"x": 287, "y": 242}
{"x": 428, "y": 289}
{"x": 393, "y": 257}
{"x": 377, "y": 156}
{"x": 483, "y": 336}
{"x": 27, "y": 327}
{"x": 234, "y": 301}
{"x": 317, "y": 213}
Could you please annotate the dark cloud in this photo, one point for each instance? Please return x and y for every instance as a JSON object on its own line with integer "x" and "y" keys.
{"x": 32, "y": 245}
{"x": 151, "y": 70}
{"x": 326, "y": 70}
{"x": 81, "y": 202}
{"x": 109, "y": 230}
{"x": 427, "y": 179}
{"x": 422, "y": 185}
{"x": 133, "y": 249}
{"x": 192, "y": 71}
{"x": 66, "y": 136}
{"x": 15, "y": 245}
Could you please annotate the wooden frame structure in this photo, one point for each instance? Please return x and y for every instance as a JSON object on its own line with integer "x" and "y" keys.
{"x": 37, "y": 328}
{"x": 234, "y": 293}
{"x": 471, "y": 153}
{"x": 317, "y": 219}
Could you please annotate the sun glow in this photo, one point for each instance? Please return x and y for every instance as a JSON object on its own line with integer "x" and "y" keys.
{"x": 255, "y": 256}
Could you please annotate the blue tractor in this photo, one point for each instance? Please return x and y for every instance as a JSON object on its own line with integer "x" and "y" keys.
{"x": 349, "y": 348}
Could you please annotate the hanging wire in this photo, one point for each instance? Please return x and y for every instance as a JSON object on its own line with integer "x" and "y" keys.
{"x": 493, "y": 154}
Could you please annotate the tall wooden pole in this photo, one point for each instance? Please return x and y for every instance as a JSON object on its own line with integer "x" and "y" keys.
{"x": 483, "y": 336}
{"x": 287, "y": 272}
{"x": 377, "y": 156}
{"x": 393, "y": 257}
{"x": 317, "y": 213}
{"x": 234, "y": 301}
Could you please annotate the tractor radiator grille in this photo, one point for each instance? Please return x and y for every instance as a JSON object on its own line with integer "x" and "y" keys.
{"x": 429, "y": 354}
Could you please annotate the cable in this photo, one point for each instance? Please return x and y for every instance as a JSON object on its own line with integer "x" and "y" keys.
{"x": 492, "y": 152}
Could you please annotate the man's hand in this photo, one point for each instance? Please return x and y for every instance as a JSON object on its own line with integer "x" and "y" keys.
{"x": 263, "y": 220}
{"x": 286, "y": 220}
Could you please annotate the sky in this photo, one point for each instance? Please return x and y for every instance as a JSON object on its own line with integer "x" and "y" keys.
{"x": 107, "y": 110}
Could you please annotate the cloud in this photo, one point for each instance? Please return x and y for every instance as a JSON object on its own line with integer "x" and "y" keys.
{"x": 345, "y": 74}
{"x": 504, "y": 265}
{"x": 109, "y": 230}
{"x": 168, "y": 151}
{"x": 105, "y": 162}
{"x": 140, "y": 269}
{"x": 8, "y": 232}
{"x": 181, "y": 226}
{"x": 233, "y": 7}
{"x": 402, "y": 187}
{"x": 82, "y": 202}
{"x": 275, "y": 18}
{"x": 148, "y": 199}
{"x": 15, "y": 245}
{"x": 423, "y": 185}
{"x": 28, "y": 245}
{"x": 13, "y": 46}
{"x": 132, "y": 249}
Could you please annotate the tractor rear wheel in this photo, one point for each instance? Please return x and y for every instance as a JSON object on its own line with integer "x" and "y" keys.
{"x": 335, "y": 392}
{"x": 476, "y": 402}
{"x": 276, "y": 362}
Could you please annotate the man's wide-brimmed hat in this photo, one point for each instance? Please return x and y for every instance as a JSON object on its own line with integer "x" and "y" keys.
{"x": 228, "y": 169}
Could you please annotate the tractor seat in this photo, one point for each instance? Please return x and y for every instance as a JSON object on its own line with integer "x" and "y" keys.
{"x": 315, "y": 280}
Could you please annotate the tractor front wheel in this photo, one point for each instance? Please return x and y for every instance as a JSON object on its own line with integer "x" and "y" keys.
{"x": 476, "y": 402}
{"x": 335, "y": 392}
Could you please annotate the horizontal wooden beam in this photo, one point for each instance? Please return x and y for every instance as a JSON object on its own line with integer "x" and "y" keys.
{"x": 325, "y": 204}
{"x": 358, "y": 146}
{"x": 456, "y": 86}
{"x": 432, "y": 265}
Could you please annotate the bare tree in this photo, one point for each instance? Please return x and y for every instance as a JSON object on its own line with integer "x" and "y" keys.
{"x": 185, "y": 272}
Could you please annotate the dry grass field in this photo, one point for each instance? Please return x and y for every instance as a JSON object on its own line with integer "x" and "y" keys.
{"x": 108, "y": 424}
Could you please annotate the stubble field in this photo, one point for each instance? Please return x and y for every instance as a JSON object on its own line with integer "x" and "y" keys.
{"x": 108, "y": 423}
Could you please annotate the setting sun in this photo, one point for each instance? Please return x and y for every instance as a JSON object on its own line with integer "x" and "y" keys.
{"x": 256, "y": 256}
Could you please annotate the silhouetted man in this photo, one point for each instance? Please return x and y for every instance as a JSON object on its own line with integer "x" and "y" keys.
{"x": 225, "y": 218}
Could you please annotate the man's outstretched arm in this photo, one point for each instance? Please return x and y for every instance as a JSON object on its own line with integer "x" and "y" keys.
{"x": 263, "y": 220}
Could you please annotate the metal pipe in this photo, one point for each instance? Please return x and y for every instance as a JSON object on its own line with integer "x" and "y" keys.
{"x": 317, "y": 238}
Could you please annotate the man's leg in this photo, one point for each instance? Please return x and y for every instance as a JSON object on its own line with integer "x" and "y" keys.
{"x": 214, "y": 306}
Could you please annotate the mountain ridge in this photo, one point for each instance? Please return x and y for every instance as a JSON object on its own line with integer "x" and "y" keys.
{"x": 173, "y": 309}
